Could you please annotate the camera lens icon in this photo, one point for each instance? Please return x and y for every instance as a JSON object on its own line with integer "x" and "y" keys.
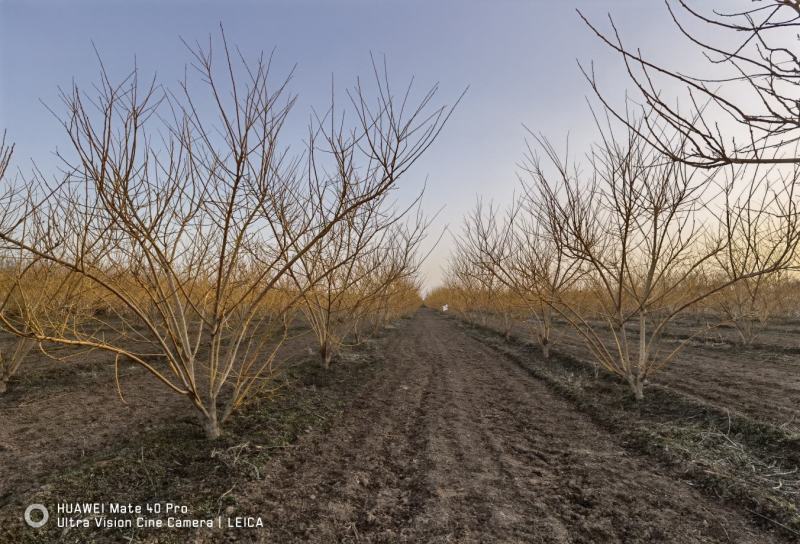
{"x": 31, "y": 517}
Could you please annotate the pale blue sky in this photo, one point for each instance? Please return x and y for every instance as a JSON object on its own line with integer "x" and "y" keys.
{"x": 518, "y": 58}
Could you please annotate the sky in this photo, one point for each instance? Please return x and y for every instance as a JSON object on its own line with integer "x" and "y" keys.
{"x": 517, "y": 58}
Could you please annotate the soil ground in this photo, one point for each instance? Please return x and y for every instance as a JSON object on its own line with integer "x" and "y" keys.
{"x": 429, "y": 435}
{"x": 762, "y": 380}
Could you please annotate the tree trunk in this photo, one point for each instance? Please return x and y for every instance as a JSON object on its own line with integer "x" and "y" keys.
{"x": 22, "y": 348}
{"x": 636, "y": 385}
{"x": 385, "y": 317}
{"x": 211, "y": 423}
{"x": 326, "y": 354}
{"x": 545, "y": 349}
{"x": 746, "y": 332}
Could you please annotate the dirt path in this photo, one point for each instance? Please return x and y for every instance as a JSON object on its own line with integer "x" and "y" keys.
{"x": 452, "y": 443}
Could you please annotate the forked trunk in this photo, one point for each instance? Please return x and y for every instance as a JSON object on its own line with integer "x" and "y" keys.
{"x": 545, "y": 349}
{"x": 746, "y": 332}
{"x": 637, "y": 386}
{"x": 211, "y": 423}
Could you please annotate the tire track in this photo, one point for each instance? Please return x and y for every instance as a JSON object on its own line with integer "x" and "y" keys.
{"x": 451, "y": 442}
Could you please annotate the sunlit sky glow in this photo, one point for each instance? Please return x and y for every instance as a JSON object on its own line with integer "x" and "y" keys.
{"x": 519, "y": 59}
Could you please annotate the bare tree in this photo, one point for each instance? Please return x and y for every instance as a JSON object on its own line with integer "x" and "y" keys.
{"x": 393, "y": 290}
{"x": 370, "y": 248}
{"x": 35, "y": 295}
{"x": 752, "y": 238}
{"x": 744, "y": 108}
{"x": 12, "y": 356}
{"x": 439, "y": 297}
{"x": 472, "y": 286}
{"x": 350, "y": 277}
{"x": 641, "y": 227}
{"x": 193, "y": 221}
{"x": 328, "y": 279}
{"x": 523, "y": 253}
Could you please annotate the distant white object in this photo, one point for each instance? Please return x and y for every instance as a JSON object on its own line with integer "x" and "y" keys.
{"x": 444, "y": 308}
